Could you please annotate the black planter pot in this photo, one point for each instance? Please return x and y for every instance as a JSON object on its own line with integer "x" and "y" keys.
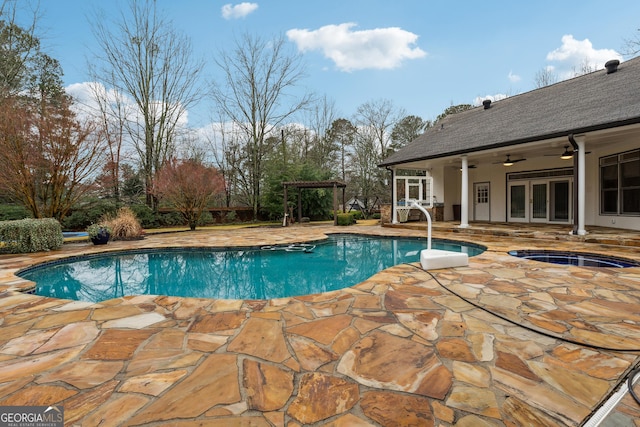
{"x": 101, "y": 238}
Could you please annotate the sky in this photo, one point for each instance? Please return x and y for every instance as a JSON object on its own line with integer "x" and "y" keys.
{"x": 422, "y": 55}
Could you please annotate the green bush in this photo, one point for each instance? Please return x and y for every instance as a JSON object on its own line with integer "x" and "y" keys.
{"x": 171, "y": 219}
{"x": 88, "y": 213}
{"x": 230, "y": 216}
{"x": 30, "y": 235}
{"x": 356, "y": 214}
{"x": 205, "y": 219}
{"x": 346, "y": 219}
{"x": 145, "y": 215}
{"x": 376, "y": 215}
{"x": 10, "y": 212}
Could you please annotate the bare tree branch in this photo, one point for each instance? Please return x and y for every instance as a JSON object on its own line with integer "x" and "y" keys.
{"x": 254, "y": 95}
{"x": 144, "y": 58}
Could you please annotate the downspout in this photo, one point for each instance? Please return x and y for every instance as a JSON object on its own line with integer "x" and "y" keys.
{"x": 574, "y": 144}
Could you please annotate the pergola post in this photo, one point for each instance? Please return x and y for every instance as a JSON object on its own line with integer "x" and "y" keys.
{"x": 335, "y": 203}
{"x": 315, "y": 184}
{"x": 284, "y": 221}
{"x": 299, "y": 205}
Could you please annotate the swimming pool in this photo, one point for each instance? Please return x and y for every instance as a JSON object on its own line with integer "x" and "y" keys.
{"x": 340, "y": 261}
{"x": 580, "y": 259}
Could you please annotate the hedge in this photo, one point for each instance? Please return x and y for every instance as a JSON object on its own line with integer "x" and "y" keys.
{"x": 346, "y": 219}
{"x": 30, "y": 235}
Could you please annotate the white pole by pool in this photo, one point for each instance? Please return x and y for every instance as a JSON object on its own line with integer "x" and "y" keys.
{"x": 432, "y": 259}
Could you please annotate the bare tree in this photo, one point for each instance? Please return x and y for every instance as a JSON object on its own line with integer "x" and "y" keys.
{"x": 111, "y": 114}
{"x": 632, "y": 44}
{"x": 324, "y": 151}
{"x": 227, "y": 156}
{"x": 144, "y": 58}
{"x": 545, "y": 77}
{"x": 585, "y": 67}
{"x": 363, "y": 173}
{"x": 254, "y": 94}
{"x": 375, "y": 120}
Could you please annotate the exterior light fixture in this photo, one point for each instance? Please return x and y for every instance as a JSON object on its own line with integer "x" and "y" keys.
{"x": 509, "y": 162}
{"x": 567, "y": 154}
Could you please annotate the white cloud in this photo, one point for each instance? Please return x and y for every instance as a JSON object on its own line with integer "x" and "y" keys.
{"x": 576, "y": 56}
{"x": 380, "y": 48}
{"x": 83, "y": 94}
{"x": 497, "y": 97}
{"x": 513, "y": 78}
{"x": 86, "y": 105}
{"x": 240, "y": 10}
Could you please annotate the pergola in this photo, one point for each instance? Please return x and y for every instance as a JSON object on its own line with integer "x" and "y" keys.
{"x": 315, "y": 184}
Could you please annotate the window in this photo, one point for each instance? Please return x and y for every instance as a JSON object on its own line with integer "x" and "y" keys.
{"x": 413, "y": 187}
{"x": 482, "y": 194}
{"x": 620, "y": 184}
{"x": 518, "y": 201}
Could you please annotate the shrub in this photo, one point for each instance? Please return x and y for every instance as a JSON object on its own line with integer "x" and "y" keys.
{"x": 124, "y": 226}
{"x": 145, "y": 215}
{"x": 86, "y": 214}
{"x": 30, "y": 235}
{"x": 345, "y": 219}
{"x": 356, "y": 214}
{"x": 99, "y": 234}
{"x": 13, "y": 212}
{"x": 231, "y": 216}
{"x": 205, "y": 219}
{"x": 171, "y": 219}
{"x": 376, "y": 215}
{"x": 94, "y": 229}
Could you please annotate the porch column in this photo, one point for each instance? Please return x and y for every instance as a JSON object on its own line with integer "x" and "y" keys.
{"x": 581, "y": 186}
{"x": 464, "y": 194}
{"x": 394, "y": 196}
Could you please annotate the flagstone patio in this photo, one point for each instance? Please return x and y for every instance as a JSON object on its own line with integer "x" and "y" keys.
{"x": 502, "y": 342}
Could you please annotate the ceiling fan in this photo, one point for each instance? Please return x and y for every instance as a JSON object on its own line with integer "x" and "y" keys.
{"x": 509, "y": 162}
{"x": 469, "y": 167}
{"x": 566, "y": 155}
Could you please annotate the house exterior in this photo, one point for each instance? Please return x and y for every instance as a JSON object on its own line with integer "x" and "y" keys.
{"x": 568, "y": 153}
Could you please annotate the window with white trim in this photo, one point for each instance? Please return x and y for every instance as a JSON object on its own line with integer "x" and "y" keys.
{"x": 620, "y": 184}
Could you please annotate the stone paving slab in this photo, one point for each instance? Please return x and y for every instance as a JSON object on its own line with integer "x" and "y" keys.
{"x": 503, "y": 342}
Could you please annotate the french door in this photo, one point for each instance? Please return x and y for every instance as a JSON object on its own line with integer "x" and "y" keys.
{"x": 560, "y": 201}
{"x": 539, "y": 201}
{"x": 518, "y": 203}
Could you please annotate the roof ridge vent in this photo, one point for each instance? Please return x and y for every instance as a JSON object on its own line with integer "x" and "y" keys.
{"x": 612, "y": 66}
{"x": 487, "y": 104}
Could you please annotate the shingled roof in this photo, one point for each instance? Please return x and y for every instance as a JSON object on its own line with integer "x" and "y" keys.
{"x": 582, "y": 104}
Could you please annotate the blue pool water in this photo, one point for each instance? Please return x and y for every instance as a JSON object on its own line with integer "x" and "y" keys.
{"x": 67, "y": 234}
{"x": 575, "y": 258}
{"x": 251, "y": 273}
